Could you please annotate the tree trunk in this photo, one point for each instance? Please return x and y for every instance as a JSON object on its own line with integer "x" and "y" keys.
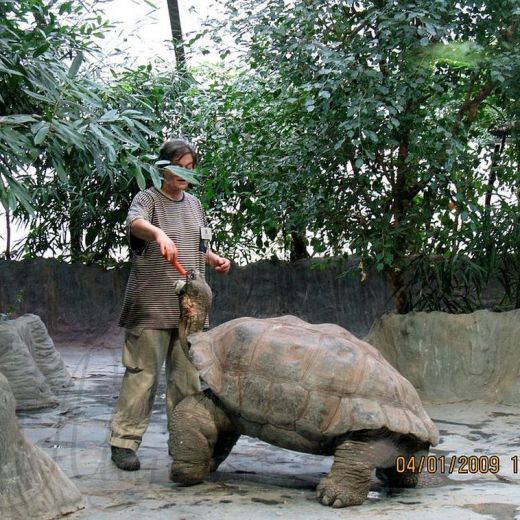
{"x": 402, "y": 195}
{"x": 298, "y": 246}
{"x": 8, "y": 233}
{"x": 499, "y": 148}
{"x": 75, "y": 231}
{"x": 402, "y": 303}
{"x": 175, "y": 24}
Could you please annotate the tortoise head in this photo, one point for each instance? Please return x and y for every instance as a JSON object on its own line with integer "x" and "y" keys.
{"x": 194, "y": 302}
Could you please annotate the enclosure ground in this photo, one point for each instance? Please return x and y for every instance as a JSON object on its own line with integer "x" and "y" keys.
{"x": 259, "y": 480}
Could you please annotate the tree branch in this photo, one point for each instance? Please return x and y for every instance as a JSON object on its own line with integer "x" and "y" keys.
{"x": 469, "y": 109}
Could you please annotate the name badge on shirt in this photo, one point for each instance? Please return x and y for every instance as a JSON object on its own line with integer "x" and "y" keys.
{"x": 205, "y": 233}
{"x": 205, "y": 237}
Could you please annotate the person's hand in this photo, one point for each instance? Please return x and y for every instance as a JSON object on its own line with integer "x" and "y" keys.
{"x": 221, "y": 265}
{"x": 166, "y": 245}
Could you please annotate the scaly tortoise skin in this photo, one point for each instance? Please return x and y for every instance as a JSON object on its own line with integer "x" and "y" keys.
{"x": 309, "y": 388}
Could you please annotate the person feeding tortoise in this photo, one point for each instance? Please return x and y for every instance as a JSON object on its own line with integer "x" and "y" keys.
{"x": 166, "y": 227}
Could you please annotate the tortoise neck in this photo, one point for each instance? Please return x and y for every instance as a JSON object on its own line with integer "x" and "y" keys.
{"x": 189, "y": 324}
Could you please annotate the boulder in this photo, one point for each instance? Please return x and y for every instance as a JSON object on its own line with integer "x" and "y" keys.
{"x": 31, "y": 363}
{"x": 31, "y": 484}
{"x": 28, "y": 384}
{"x": 34, "y": 333}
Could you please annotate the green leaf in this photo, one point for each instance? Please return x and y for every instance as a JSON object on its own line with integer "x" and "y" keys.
{"x": 75, "y": 65}
{"x": 10, "y": 71}
{"x": 60, "y": 170}
{"x": 68, "y": 133}
{"x": 65, "y": 7}
{"x": 122, "y": 136}
{"x": 41, "y": 49}
{"x": 41, "y": 134}
{"x": 188, "y": 175}
{"x": 141, "y": 182}
{"x": 371, "y": 135}
{"x": 110, "y": 115}
{"x": 21, "y": 195}
{"x": 144, "y": 128}
{"x": 17, "y": 119}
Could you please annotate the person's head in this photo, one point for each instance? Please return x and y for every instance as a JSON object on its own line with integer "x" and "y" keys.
{"x": 174, "y": 150}
{"x": 180, "y": 153}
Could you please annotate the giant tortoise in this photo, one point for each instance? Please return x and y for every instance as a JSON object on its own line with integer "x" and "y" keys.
{"x": 310, "y": 388}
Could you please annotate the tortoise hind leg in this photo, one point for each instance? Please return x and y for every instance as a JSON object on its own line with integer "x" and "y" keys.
{"x": 196, "y": 426}
{"x": 348, "y": 481}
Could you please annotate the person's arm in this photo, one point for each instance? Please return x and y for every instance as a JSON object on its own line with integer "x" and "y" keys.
{"x": 219, "y": 263}
{"x": 142, "y": 229}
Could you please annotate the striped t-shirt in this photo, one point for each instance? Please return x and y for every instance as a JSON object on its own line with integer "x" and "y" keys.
{"x": 149, "y": 299}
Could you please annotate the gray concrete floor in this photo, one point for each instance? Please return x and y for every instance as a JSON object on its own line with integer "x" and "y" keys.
{"x": 261, "y": 481}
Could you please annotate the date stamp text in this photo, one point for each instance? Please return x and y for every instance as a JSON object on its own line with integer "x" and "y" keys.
{"x": 461, "y": 464}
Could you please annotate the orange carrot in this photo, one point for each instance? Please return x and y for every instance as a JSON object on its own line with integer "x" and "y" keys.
{"x": 177, "y": 265}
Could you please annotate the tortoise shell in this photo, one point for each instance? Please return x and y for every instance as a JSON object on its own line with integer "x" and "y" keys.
{"x": 318, "y": 380}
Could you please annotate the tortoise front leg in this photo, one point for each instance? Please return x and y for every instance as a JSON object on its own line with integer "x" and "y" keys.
{"x": 223, "y": 447}
{"x": 348, "y": 481}
{"x": 195, "y": 429}
{"x": 410, "y": 448}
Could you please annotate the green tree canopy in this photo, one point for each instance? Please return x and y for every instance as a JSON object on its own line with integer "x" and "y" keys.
{"x": 364, "y": 126}
{"x": 77, "y": 139}
{"x": 381, "y": 128}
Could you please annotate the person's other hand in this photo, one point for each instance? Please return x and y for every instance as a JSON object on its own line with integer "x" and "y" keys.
{"x": 222, "y": 265}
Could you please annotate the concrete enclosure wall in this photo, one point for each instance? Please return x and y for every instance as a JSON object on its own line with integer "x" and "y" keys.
{"x": 74, "y": 299}
{"x": 70, "y": 298}
{"x": 454, "y": 357}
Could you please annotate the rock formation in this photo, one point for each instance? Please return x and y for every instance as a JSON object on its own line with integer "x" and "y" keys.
{"x": 31, "y": 484}
{"x": 454, "y": 357}
{"x": 34, "y": 333}
{"x": 30, "y": 362}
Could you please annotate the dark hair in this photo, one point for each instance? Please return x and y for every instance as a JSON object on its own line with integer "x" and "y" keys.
{"x": 174, "y": 149}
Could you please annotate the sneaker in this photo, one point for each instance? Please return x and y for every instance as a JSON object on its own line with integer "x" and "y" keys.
{"x": 125, "y": 458}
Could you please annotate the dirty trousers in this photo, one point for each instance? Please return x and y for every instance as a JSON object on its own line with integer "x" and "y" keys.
{"x": 144, "y": 352}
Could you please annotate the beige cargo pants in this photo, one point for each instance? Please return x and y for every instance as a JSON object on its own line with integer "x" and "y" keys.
{"x": 144, "y": 353}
